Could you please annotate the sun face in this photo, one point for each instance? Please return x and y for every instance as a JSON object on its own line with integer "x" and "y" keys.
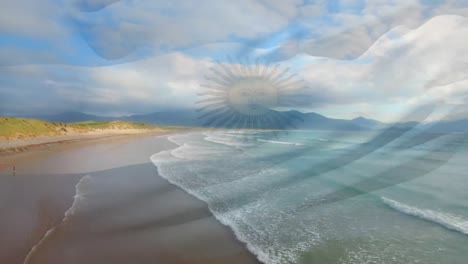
{"x": 246, "y": 96}
{"x": 254, "y": 96}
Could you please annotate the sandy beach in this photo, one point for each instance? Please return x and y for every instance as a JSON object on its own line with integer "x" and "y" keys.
{"x": 17, "y": 145}
{"x": 102, "y": 201}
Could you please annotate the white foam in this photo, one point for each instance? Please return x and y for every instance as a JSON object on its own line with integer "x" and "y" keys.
{"x": 449, "y": 221}
{"x": 228, "y": 141}
{"x": 233, "y": 135}
{"x": 179, "y": 152}
{"x": 272, "y": 232}
{"x": 243, "y": 132}
{"x": 321, "y": 139}
{"x": 244, "y": 220}
{"x": 179, "y": 139}
{"x": 79, "y": 196}
{"x": 280, "y": 142}
{"x": 236, "y": 220}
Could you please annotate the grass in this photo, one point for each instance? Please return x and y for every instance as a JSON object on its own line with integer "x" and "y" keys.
{"x": 11, "y": 127}
{"x": 113, "y": 124}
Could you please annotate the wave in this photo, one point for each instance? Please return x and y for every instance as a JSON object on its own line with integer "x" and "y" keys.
{"x": 234, "y": 219}
{"x": 272, "y": 232}
{"x": 449, "y": 221}
{"x": 79, "y": 196}
{"x": 321, "y": 139}
{"x": 227, "y": 141}
{"x": 280, "y": 142}
{"x": 243, "y": 132}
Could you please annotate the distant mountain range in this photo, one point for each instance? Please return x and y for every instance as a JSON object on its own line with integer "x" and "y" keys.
{"x": 191, "y": 118}
{"x": 298, "y": 119}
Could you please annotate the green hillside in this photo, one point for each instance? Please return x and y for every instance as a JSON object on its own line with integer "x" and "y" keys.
{"x": 29, "y": 128}
{"x": 112, "y": 125}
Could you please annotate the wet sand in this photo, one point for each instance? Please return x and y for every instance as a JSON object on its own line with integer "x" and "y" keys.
{"x": 125, "y": 212}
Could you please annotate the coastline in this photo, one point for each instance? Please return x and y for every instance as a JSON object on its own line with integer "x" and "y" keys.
{"x": 11, "y": 146}
{"x": 174, "y": 228}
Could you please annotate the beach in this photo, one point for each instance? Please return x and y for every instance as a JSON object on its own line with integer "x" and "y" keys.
{"x": 101, "y": 201}
{"x": 20, "y": 143}
{"x": 198, "y": 196}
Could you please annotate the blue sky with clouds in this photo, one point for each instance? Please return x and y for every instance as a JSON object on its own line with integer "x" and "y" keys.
{"x": 375, "y": 58}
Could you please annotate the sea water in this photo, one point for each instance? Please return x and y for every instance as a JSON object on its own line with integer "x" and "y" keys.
{"x": 331, "y": 197}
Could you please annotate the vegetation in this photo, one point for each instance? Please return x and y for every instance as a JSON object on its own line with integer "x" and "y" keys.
{"x": 12, "y": 128}
{"x": 112, "y": 125}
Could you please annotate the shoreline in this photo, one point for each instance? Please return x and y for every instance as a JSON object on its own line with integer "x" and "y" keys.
{"x": 176, "y": 227}
{"x": 15, "y": 146}
{"x": 235, "y": 233}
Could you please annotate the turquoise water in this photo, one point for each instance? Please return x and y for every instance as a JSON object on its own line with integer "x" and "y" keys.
{"x": 331, "y": 197}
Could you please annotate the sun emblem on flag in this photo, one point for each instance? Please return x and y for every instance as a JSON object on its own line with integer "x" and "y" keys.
{"x": 248, "y": 96}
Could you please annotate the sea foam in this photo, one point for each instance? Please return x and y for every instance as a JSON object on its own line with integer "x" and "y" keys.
{"x": 244, "y": 220}
{"x": 450, "y": 221}
{"x": 79, "y": 196}
{"x": 280, "y": 142}
{"x": 272, "y": 221}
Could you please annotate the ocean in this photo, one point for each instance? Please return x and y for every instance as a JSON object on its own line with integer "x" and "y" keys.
{"x": 331, "y": 197}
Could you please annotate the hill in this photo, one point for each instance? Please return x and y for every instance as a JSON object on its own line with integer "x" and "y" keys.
{"x": 191, "y": 118}
{"x": 311, "y": 120}
{"x": 22, "y": 128}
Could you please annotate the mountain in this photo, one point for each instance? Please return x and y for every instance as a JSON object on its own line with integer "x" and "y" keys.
{"x": 291, "y": 119}
{"x": 168, "y": 118}
{"x": 320, "y": 122}
{"x": 460, "y": 125}
{"x": 367, "y": 123}
{"x": 71, "y": 117}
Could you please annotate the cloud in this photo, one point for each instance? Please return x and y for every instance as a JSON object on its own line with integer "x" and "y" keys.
{"x": 109, "y": 31}
{"x": 93, "y": 5}
{"x": 403, "y": 68}
{"x": 161, "y": 25}
{"x": 165, "y": 82}
{"x": 350, "y": 34}
{"x": 31, "y": 18}
{"x": 355, "y": 56}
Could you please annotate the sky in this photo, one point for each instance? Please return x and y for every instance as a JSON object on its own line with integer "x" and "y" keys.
{"x": 372, "y": 58}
